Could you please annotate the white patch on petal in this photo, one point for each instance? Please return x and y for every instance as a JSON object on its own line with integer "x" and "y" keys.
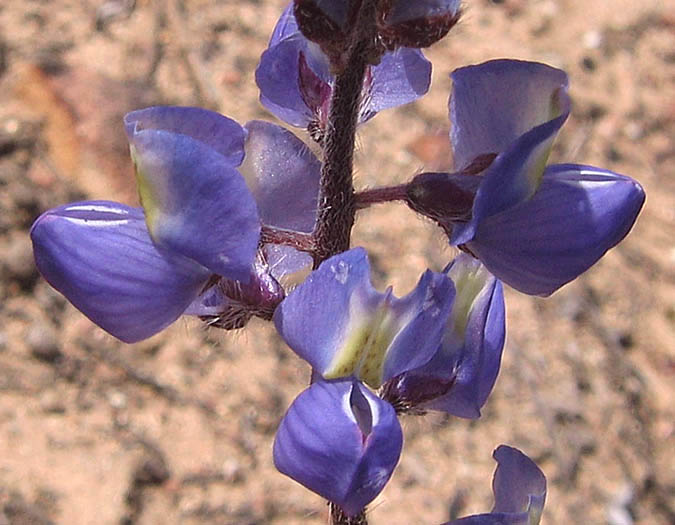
{"x": 594, "y": 184}
{"x": 105, "y": 223}
{"x": 347, "y": 406}
{"x": 340, "y": 271}
{"x": 374, "y": 411}
{"x": 595, "y": 173}
{"x": 430, "y": 304}
{"x": 97, "y": 207}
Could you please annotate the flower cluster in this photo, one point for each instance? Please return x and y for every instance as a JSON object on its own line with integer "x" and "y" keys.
{"x": 229, "y": 213}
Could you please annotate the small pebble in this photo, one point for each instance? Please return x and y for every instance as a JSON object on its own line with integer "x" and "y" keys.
{"x": 51, "y": 403}
{"x": 26, "y": 199}
{"x": 117, "y": 399}
{"x": 43, "y": 343}
{"x": 592, "y": 39}
{"x": 18, "y": 260}
{"x": 618, "y": 511}
{"x": 233, "y": 471}
{"x": 151, "y": 470}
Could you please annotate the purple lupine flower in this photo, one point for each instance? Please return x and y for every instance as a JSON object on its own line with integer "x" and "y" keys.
{"x": 199, "y": 218}
{"x": 519, "y": 487}
{"x": 341, "y": 441}
{"x": 462, "y": 373}
{"x": 295, "y": 80}
{"x": 283, "y": 175}
{"x": 535, "y": 227}
{"x": 342, "y": 326}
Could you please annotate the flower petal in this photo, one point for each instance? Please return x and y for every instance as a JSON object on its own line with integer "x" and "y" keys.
{"x": 220, "y": 133}
{"x": 518, "y": 484}
{"x": 196, "y": 203}
{"x": 474, "y": 339}
{"x": 578, "y": 214}
{"x": 283, "y": 175}
{"x": 421, "y": 317}
{"x": 405, "y": 11}
{"x": 338, "y": 323}
{"x": 340, "y": 441}
{"x": 492, "y": 104}
{"x": 286, "y": 26}
{"x": 401, "y": 77}
{"x": 277, "y": 77}
{"x": 519, "y": 487}
{"x": 286, "y": 201}
{"x": 315, "y": 318}
{"x": 100, "y": 256}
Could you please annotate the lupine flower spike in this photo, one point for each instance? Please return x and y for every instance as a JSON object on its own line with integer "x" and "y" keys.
{"x": 232, "y": 217}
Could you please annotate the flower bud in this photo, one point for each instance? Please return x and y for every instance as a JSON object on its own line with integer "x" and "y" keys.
{"x": 328, "y": 24}
{"x": 402, "y": 23}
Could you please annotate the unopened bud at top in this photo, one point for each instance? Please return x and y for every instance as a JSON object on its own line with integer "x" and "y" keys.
{"x": 402, "y": 23}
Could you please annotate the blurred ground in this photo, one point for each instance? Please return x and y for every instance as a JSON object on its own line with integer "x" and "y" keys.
{"x": 178, "y": 429}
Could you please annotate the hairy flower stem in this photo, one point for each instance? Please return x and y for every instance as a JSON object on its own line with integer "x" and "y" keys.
{"x": 338, "y": 517}
{"x": 367, "y": 198}
{"x": 337, "y": 205}
{"x": 303, "y": 242}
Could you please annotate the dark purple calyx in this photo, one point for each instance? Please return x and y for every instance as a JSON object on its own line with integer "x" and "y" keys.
{"x": 257, "y": 298}
{"x": 447, "y": 198}
{"x": 444, "y": 197}
{"x": 328, "y": 24}
{"x": 408, "y": 392}
{"x": 417, "y": 30}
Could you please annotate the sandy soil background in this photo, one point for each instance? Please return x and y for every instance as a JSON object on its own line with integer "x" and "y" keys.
{"x": 178, "y": 429}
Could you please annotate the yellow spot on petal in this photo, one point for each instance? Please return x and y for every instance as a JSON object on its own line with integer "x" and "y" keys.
{"x": 469, "y": 283}
{"x": 146, "y": 193}
{"x": 364, "y": 352}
